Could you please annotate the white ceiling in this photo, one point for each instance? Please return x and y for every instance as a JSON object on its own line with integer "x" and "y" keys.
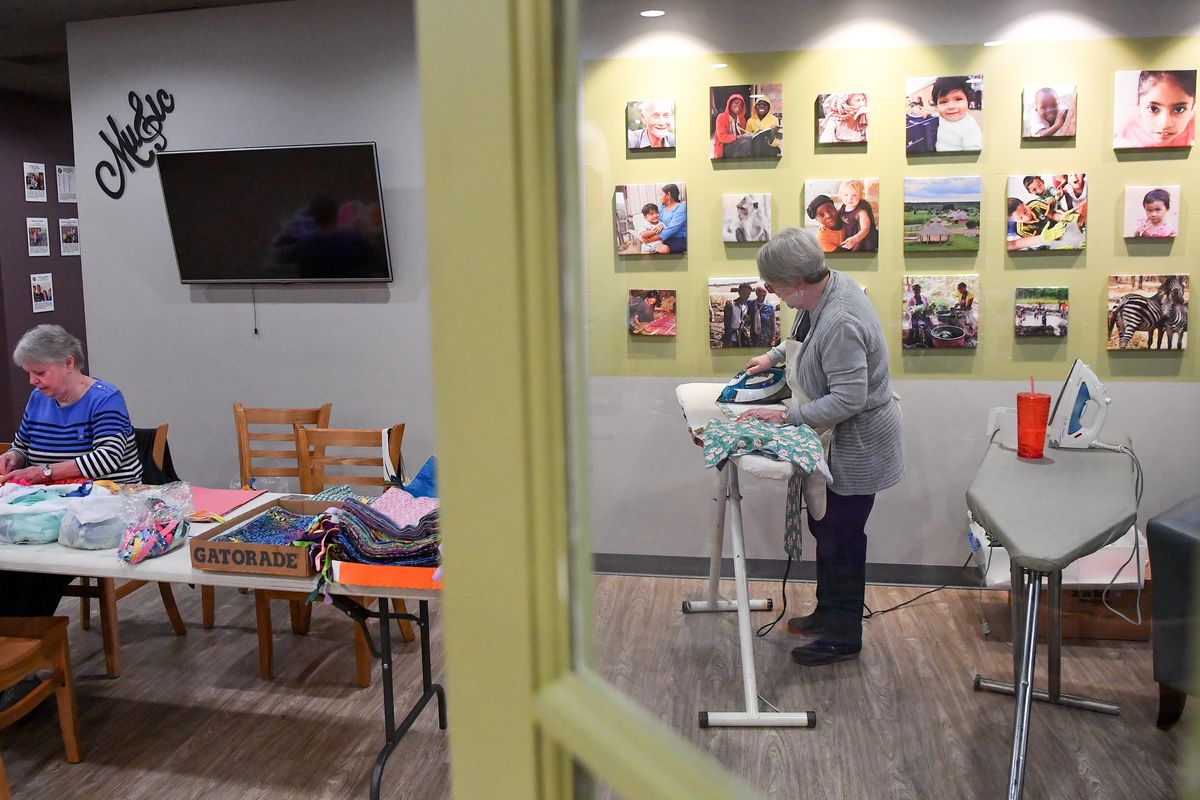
{"x": 33, "y": 40}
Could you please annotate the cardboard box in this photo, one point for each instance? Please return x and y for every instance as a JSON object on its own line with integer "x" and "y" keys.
{"x": 263, "y": 559}
{"x": 1084, "y": 615}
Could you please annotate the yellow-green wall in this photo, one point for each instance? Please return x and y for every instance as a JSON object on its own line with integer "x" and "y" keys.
{"x": 609, "y": 84}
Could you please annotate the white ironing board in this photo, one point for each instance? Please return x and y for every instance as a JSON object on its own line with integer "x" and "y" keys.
{"x": 1047, "y": 513}
{"x": 699, "y": 402}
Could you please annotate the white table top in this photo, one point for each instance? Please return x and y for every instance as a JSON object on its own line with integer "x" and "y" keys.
{"x": 174, "y": 567}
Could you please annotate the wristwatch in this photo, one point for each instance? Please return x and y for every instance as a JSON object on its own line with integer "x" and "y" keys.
{"x": 47, "y": 472}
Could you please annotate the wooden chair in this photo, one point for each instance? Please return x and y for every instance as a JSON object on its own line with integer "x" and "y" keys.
{"x": 38, "y": 643}
{"x": 106, "y": 590}
{"x": 274, "y": 426}
{"x": 312, "y": 448}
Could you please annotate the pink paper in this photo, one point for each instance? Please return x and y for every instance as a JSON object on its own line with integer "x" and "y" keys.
{"x": 221, "y": 501}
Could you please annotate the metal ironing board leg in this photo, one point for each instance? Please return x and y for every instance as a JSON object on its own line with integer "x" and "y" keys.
{"x": 751, "y": 717}
{"x": 713, "y": 601}
{"x": 1016, "y": 772}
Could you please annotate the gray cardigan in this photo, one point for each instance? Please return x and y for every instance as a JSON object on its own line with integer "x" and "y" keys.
{"x": 844, "y": 367}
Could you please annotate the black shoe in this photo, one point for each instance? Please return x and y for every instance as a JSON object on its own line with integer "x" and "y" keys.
{"x": 808, "y": 625}
{"x": 822, "y": 652}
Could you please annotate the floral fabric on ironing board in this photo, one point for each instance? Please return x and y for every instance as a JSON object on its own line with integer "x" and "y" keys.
{"x": 798, "y": 444}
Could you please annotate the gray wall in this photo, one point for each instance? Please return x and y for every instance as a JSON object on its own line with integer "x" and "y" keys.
{"x": 651, "y": 494}
{"x": 37, "y": 130}
{"x": 276, "y": 74}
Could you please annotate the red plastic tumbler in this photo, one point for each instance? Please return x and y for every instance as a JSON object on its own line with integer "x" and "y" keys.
{"x": 1033, "y": 410}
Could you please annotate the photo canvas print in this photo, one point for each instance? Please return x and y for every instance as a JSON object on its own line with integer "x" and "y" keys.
{"x": 650, "y": 124}
{"x": 1147, "y": 312}
{"x": 941, "y": 214}
{"x": 1049, "y": 110}
{"x": 1151, "y": 212}
{"x": 1046, "y": 212}
{"x": 842, "y": 118}
{"x": 746, "y": 121}
{"x": 940, "y": 311}
{"x": 650, "y": 218}
{"x": 1041, "y": 311}
{"x": 652, "y": 312}
{"x": 742, "y": 313}
{"x": 1154, "y": 108}
{"x": 943, "y": 114}
{"x": 843, "y": 214}
{"x": 746, "y": 217}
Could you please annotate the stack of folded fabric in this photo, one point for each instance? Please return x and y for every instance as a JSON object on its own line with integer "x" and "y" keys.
{"x": 395, "y": 529}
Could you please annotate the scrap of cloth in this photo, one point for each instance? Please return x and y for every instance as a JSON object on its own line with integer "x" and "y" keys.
{"x": 402, "y": 508}
{"x": 273, "y": 526}
{"x": 358, "y": 533}
{"x": 798, "y": 444}
{"x": 339, "y": 492}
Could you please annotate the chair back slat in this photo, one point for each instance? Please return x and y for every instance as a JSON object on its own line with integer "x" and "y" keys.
{"x": 248, "y": 459}
{"x": 313, "y": 444}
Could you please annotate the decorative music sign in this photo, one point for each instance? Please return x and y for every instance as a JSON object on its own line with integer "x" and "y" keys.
{"x": 128, "y": 144}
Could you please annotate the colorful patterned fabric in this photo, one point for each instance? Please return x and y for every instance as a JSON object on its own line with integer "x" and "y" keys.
{"x": 340, "y": 492}
{"x": 273, "y": 526}
{"x": 798, "y": 444}
{"x": 403, "y": 509}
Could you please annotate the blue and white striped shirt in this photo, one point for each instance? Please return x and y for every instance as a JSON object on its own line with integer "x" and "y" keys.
{"x": 94, "y": 431}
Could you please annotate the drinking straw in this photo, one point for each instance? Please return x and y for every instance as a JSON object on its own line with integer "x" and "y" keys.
{"x": 1031, "y": 389}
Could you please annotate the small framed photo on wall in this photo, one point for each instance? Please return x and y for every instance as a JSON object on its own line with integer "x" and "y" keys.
{"x": 1041, "y": 311}
{"x": 650, "y": 124}
{"x": 42, "y": 287}
{"x": 1147, "y": 312}
{"x": 652, "y": 312}
{"x": 842, "y": 118}
{"x": 35, "y": 182}
{"x": 745, "y": 218}
{"x": 1049, "y": 110}
{"x": 68, "y": 237}
{"x": 742, "y": 313}
{"x": 1151, "y": 212}
{"x": 843, "y": 214}
{"x": 746, "y": 121}
{"x": 939, "y": 311}
{"x": 650, "y": 218}
{"x": 1046, "y": 212}
{"x": 37, "y": 235}
{"x": 941, "y": 214}
{"x": 943, "y": 114}
{"x": 1154, "y": 108}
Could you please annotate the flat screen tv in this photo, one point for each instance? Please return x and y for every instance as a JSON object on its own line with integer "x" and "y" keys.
{"x": 276, "y": 214}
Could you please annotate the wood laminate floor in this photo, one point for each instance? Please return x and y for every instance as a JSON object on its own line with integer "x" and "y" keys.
{"x": 190, "y": 718}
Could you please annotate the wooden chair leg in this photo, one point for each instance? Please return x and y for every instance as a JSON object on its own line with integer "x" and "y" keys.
{"x": 362, "y": 658}
{"x": 64, "y": 695}
{"x": 85, "y": 606}
{"x": 406, "y": 631}
{"x": 5, "y": 794}
{"x": 301, "y": 616}
{"x": 168, "y": 599}
{"x": 109, "y": 626}
{"x": 208, "y": 606}
{"x": 262, "y": 614}
{"x": 1170, "y": 706}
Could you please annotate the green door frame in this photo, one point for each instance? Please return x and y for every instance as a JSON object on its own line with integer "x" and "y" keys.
{"x": 499, "y": 88}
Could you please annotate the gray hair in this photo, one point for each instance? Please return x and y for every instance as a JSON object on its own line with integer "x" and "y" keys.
{"x": 47, "y": 344}
{"x": 792, "y": 256}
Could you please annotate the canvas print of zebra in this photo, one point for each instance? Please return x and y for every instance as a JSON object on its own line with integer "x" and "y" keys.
{"x": 1147, "y": 312}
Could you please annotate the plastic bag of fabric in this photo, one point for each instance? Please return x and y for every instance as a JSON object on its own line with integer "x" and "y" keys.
{"x": 155, "y": 521}
{"x": 92, "y": 523}
{"x": 32, "y": 517}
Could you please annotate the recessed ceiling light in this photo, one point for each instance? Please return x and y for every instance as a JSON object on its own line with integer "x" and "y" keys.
{"x": 719, "y": 66}
{"x": 994, "y": 43}
{"x": 652, "y": 12}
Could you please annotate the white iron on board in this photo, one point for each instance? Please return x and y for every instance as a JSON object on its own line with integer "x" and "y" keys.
{"x": 1081, "y": 390}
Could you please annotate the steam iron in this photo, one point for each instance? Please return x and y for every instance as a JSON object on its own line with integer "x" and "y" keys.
{"x": 765, "y": 387}
{"x": 1081, "y": 391}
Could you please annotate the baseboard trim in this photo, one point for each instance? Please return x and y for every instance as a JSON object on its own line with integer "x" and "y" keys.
{"x": 771, "y": 569}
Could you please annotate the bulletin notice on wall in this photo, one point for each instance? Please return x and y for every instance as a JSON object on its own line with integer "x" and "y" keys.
{"x": 42, "y": 287}
{"x": 37, "y": 234}
{"x": 35, "y": 182}
{"x": 65, "y": 175}
{"x": 68, "y": 236}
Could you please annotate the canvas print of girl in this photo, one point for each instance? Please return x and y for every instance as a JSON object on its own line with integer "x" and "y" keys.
{"x": 1154, "y": 109}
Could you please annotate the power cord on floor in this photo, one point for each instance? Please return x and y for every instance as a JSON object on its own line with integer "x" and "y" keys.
{"x": 871, "y": 613}
{"x": 765, "y": 629}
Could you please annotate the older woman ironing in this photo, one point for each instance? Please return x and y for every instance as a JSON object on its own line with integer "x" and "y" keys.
{"x": 837, "y": 365}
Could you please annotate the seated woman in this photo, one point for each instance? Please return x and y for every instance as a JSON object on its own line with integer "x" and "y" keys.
{"x": 74, "y": 427}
